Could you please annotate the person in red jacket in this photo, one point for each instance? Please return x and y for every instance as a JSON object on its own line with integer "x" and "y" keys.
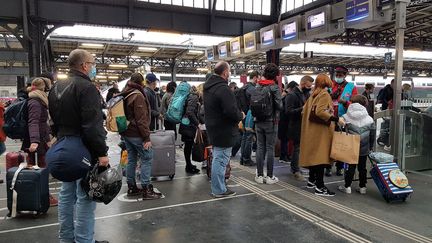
{"x": 342, "y": 91}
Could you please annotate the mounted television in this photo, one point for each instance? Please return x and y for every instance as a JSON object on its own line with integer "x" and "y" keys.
{"x": 251, "y": 41}
{"x": 361, "y": 14}
{"x": 212, "y": 53}
{"x": 268, "y": 36}
{"x": 236, "y": 45}
{"x": 290, "y": 31}
{"x": 223, "y": 49}
{"x": 319, "y": 23}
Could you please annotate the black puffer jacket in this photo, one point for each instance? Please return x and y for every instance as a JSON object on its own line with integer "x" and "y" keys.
{"x": 74, "y": 106}
{"x": 221, "y": 112}
{"x": 191, "y": 112}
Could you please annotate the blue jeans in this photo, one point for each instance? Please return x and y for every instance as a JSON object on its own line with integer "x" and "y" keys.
{"x": 266, "y": 135}
{"x": 135, "y": 148}
{"x": 221, "y": 157}
{"x": 246, "y": 147}
{"x": 73, "y": 198}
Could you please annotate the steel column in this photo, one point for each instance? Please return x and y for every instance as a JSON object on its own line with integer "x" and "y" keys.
{"x": 400, "y": 27}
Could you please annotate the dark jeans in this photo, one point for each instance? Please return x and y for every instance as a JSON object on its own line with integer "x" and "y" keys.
{"x": 284, "y": 147}
{"x": 237, "y": 145}
{"x": 188, "y": 152}
{"x": 246, "y": 147}
{"x": 266, "y": 135}
{"x": 349, "y": 175}
{"x": 170, "y": 126}
{"x": 295, "y": 157}
{"x": 316, "y": 175}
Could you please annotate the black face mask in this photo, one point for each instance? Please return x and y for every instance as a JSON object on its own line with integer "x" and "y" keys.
{"x": 306, "y": 90}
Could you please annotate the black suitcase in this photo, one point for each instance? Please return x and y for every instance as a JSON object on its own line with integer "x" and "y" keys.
{"x": 32, "y": 190}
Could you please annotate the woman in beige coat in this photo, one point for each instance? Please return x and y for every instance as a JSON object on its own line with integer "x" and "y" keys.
{"x": 317, "y": 133}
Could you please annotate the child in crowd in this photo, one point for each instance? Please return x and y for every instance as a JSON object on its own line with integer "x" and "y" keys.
{"x": 359, "y": 122}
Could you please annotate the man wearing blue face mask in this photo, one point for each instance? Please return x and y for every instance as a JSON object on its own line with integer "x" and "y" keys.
{"x": 341, "y": 94}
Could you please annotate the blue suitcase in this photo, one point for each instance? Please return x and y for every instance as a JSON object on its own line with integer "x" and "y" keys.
{"x": 31, "y": 188}
{"x": 390, "y": 192}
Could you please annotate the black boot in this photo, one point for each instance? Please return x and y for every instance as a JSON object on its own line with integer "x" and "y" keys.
{"x": 150, "y": 194}
{"x": 191, "y": 169}
{"x": 133, "y": 190}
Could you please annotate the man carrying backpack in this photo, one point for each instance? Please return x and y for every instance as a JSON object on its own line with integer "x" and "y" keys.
{"x": 243, "y": 96}
{"x": 266, "y": 102}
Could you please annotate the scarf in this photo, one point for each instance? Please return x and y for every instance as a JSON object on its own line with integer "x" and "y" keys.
{"x": 41, "y": 95}
{"x": 266, "y": 82}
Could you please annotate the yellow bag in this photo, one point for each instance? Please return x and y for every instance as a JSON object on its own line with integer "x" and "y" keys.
{"x": 345, "y": 147}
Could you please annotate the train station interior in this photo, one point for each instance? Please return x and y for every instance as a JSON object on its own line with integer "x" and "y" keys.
{"x": 182, "y": 40}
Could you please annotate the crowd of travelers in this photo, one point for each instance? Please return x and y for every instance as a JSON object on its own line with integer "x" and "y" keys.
{"x": 294, "y": 122}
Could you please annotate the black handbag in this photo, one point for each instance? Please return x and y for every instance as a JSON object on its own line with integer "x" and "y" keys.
{"x": 198, "y": 147}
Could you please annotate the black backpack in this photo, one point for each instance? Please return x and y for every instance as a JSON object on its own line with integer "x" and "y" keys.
{"x": 242, "y": 99}
{"x": 15, "y": 119}
{"x": 261, "y": 104}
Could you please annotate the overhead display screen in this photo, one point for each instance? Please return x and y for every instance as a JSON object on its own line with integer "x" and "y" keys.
{"x": 250, "y": 42}
{"x": 357, "y": 10}
{"x": 289, "y": 31}
{"x": 267, "y": 38}
{"x": 210, "y": 54}
{"x": 223, "y": 50}
{"x": 316, "y": 20}
{"x": 235, "y": 47}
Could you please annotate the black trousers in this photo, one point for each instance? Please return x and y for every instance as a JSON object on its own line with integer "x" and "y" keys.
{"x": 188, "y": 152}
{"x": 349, "y": 175}
{"x": 170, "y": 126}
{"x": 316, "y": 175}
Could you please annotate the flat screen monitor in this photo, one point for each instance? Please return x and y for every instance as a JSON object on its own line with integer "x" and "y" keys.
{"x": 235, "y": 47}
{"x": 210, "y": 54}
{"x": 223, "y": 52}
{"x": 316, "y": 20}
{"x": 250, "y": 41}
{"x": 289, "y": 31}
{"x": 357, "y": 10}
{"x": 267, "y": 37}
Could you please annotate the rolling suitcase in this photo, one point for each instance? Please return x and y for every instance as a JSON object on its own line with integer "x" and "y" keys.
{"x": 163, "y": 144}
{"x": 27, "y": 189}
{"x": 390, "y": 181}
{"x": 208, "y": 154}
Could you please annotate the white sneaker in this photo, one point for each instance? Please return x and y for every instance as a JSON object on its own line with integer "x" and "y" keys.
{"x": 271, "y": 180}
{"x": 362, "y": 190}
{"x": 347, "y": 190}
{"x": 259, "y": 179}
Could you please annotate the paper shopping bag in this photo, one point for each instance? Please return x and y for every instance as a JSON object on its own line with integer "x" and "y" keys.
{"x": 345, "y": 147}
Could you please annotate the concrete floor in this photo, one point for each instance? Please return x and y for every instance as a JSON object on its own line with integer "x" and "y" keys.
{"x": 284, "y": 212}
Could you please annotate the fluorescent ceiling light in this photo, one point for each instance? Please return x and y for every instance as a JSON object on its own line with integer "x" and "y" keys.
{"x": 118, "y": 66}
{"x": 62, "y": 76}
{"x": 141, "y": 48}
{"x": 354, "y": 73}
{"x": 422, "y": 75}
{"x": 136, "y": 57}
{"x": 112, "y": 77}
{"x": 240, "y": 62}
{"x": 195, "y": 52}
{"x": 94, "y": 45}
{"x": 202, "y": 69}
{"x": 308, "y": 72}
{"x": 100, "y": 77}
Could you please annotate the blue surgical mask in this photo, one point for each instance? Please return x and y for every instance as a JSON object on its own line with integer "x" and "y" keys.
{"x": 339, "y": 80}
{"x": 92, "y": 73}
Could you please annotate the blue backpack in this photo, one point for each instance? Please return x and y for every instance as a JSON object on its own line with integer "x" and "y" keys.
{"x": 176, "y": 107}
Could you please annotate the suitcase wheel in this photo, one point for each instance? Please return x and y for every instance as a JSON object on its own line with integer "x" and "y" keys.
{"x": 171, "y": 177}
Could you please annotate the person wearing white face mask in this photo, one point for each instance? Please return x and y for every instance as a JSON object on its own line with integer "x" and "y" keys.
{"x": 342, "y": 91}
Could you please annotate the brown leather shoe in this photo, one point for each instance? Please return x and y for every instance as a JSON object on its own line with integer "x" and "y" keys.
{"x": 150, "y": 194}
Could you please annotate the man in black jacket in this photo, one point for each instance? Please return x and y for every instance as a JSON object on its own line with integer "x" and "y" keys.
{"x": 221, "y": 118}
{"x": 74, "y": 106}
{"x": 293, "y": 108}
{"x": 153, "y": 99}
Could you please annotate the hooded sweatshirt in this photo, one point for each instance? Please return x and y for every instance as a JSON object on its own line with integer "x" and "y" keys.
{"x": 359, "y": 122}
{"x": 222, "y": 114}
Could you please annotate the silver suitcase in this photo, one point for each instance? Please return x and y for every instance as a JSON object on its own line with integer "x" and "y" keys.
{"x": 163, "y": 144}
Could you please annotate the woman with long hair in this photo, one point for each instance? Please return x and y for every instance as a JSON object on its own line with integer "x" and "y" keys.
{"x": 317, "y": 134}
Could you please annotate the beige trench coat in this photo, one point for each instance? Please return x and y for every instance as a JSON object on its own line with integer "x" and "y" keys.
{"x": 316, "y": 138}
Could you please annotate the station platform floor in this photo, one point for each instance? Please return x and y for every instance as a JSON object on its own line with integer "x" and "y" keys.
{"x": 283, "y": 212}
